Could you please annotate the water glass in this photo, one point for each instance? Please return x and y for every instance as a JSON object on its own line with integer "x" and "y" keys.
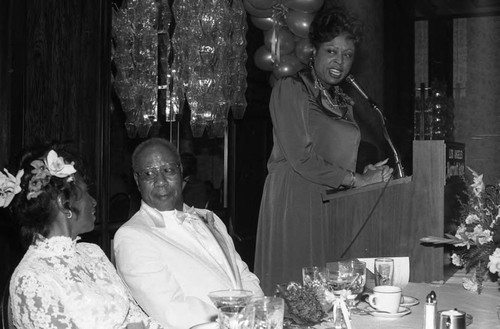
{"x": 269, "y": 312}
{"x": 236, "y": 317}
{"x": 356, "y": 269}
{"x": 313, "y": 275}
{"x": 384, "y": 271}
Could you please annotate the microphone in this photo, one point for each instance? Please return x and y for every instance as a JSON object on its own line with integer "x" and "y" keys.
{"x": 350, "y": 79}
{"x": 397, "y": 160}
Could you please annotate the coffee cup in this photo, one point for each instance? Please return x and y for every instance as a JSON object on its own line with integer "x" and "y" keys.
{"x": 385, "y": 298}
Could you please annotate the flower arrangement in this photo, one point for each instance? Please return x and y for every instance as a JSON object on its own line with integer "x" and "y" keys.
{"x": 477, "y": 239}
{"x": 302, "y": 303}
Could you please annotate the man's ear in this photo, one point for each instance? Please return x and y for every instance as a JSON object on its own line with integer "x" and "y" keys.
{"x": 136, "y": 178}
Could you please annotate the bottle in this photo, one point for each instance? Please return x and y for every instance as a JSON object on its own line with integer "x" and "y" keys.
{"x": 418, "y": 115}
{"x": 430, "y": 309}
{"x": 437, "y": 111}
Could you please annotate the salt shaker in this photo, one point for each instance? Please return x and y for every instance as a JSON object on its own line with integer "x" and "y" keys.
{"x": 430, "y": 309}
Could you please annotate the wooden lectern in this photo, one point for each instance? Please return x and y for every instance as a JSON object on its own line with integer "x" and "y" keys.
{"x": 408, "y": 209}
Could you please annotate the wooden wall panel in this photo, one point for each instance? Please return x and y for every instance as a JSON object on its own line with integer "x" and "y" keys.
{"x": 63, "y": 73}
{"x": 62, "y": 93}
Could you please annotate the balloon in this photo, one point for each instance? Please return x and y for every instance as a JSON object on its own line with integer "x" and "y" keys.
{"x": 256, "y": 11}
{"x": 307, "y": 6}
{"x": 263, "y": 23}
{"x": 285, "y": 37}
{"x": 299, "y": 22}
{"x": 263, "y": 59}
{"x": 304, "y": 50}
{"x": 261, "y": 4}
{"x": 289, "y": 64}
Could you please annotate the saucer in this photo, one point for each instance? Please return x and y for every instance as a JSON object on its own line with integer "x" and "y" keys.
{"x": 407, "y": 301}
{"x": 208, "y": 325}
{"x": 401, "y": 312}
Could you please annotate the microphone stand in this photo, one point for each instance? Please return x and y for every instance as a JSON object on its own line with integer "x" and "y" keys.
{"x": 397, "y": 159}
{"x": 399, "y": 170}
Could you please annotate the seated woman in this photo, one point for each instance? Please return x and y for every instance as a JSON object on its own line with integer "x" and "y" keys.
{"x": 61, "y": 283}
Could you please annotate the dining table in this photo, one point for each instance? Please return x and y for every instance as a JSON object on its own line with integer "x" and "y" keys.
{"x": 480, "y": 308}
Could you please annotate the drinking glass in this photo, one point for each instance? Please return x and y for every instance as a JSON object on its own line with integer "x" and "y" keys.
{"x": 269, "y": 312}
{"x": 356, "y": 271}
{"x": 313, "y": 275}
{"x": 236, "y": 317}
{"x": 384, "y": 271}
{"x": 230, "y": 297}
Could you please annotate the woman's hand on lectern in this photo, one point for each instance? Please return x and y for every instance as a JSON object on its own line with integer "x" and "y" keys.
{"x": 375, "y": 173}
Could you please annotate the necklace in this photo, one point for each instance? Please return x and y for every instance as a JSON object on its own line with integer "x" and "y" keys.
{"x": 337, "y": 107}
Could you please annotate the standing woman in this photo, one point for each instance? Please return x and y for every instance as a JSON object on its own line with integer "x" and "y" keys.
{"x": 316, "y": 143}
{"x": 60, "y": 282}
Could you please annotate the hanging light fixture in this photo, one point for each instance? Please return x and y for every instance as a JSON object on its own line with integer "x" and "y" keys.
{"x": 203, "y": 62}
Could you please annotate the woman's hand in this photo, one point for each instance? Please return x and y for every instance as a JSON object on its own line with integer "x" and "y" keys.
{"x": 374, "y": 173}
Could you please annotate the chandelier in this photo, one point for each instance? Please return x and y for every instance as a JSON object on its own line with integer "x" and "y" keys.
{"x": 167, "y": 53}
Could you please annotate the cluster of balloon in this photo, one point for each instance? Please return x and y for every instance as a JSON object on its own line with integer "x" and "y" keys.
{"x": 285, "y": 23}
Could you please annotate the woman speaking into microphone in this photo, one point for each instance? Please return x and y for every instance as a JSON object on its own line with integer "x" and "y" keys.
{"x": 316, "y": 142}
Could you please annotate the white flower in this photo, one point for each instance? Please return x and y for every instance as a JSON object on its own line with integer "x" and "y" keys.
{"x": 478, "y": 185}
{"x": 9, "y": 186}
{"x": 462, "y": 235}
{"x": 471, "y": 218}
{"x": 480, "y": 235}
{"x": 456, "y": 260}
{"x": 470, "y": 284}
{"x": 57, "y": 167}
{"x": 494, "y": 264}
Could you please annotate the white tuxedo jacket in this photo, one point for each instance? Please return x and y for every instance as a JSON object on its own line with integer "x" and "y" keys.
{"x": 170, "y": 266}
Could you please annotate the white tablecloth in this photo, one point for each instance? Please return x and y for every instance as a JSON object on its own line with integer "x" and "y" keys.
{"x": 450, "y": 295}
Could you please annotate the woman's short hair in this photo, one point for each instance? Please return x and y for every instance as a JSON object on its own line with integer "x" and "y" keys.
{"x": 36, "y": 213}
{"x": 330, "y": 23}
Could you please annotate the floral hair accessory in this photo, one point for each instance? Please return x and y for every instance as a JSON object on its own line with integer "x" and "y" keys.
{"x": 57, "y": 167}
{"x": 9, "y": 186}
{"x": 53, "y": 165}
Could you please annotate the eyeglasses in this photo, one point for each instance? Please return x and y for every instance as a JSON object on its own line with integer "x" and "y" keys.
{"x": 169, "y": 170}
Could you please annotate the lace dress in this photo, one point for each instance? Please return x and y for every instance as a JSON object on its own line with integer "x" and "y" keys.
{"x": 64, "y": 284}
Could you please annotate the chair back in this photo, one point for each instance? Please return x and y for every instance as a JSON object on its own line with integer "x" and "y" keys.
{"x": 6, "y": 311}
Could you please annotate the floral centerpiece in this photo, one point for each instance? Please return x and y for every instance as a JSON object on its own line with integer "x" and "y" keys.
{"x": 477, "y": 239}
{"x": 302, "y": 303}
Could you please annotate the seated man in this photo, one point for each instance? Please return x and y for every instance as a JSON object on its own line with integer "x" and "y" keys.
{"x": 170, "y": 255}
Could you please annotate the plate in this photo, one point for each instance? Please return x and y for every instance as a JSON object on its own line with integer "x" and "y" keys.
{"x": 208, "y": 325}
{"x": 401, "y": 312}
{"x": 407, "y": 301}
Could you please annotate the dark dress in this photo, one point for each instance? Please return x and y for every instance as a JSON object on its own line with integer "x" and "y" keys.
{"x": 312, "y": 152}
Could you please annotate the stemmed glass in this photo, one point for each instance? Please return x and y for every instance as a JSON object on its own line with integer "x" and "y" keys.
{"x": 356, "y": 271}
{"x": 233, "y": 307}
{"x": 316, "y": 277}
{"x": 230, "y": 297}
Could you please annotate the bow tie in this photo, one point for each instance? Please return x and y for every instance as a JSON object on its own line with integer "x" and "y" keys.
{"x": 190, "y": 214}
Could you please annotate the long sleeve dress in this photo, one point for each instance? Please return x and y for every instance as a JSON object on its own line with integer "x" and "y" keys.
{"x": 64, "y": 284}
{"x": 313, "y": 150}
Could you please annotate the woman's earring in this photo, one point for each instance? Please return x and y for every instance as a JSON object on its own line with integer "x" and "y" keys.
{"x": 69, "y": 214}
